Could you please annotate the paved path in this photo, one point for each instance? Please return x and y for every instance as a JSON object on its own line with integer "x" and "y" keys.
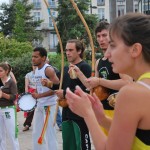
{"x": 25, "y": 138}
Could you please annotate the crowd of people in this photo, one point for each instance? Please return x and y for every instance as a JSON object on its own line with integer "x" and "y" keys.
{"x": 124, "y": 69}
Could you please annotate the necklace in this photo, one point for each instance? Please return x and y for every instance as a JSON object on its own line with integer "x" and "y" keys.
{"x": 144, "y": 76}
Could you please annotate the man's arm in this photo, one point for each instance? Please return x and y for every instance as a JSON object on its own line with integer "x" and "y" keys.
{"x": 50, "y": 73}
{"x": 111, "y": 84}
{"x": 45, "y": 94}
{"x": 115, "y": 84}
{"x": 96, "y": 71}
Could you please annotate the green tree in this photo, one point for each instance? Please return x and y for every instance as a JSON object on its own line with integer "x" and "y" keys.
{"x": 7, "y": 18}
{"x": 10, "y": 48}
{"x": 20, "y": 24}
{"x": 70, "y": 25}
{"x": 16, "y": 19}
{"x": 24, "y": 28}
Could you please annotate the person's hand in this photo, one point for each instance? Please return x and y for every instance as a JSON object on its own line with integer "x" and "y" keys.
{"x": 79, "y": 102}
{"x": 35, "y": 95}
{"x": 1, "y": 93}
{"x": 93, "y": 82}
{"x": 97, "y": 107}
{"x": 79, "y": 74}
{"x": 47, "y": 83}
{"x": 59, "y": 93}
{"x": 75, "y": 69}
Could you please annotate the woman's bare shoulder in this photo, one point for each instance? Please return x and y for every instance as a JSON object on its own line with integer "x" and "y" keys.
{"x": 133, "y": 93}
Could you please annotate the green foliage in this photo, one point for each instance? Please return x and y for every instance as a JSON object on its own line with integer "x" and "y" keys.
{"x": 7, "y": 18}
{"x": 55, "y": 60}
{"x": 16, "y": 20}
{"x": 10, "y": 48}
{"x": 20, "y": 67}
{"x": 69, "y": 23}
{"x": 18, "y": 54}
{"x": 18, "y": 31}
{"x": 88, "y": 55}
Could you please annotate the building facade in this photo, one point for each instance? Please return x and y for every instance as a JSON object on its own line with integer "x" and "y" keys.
{"x": 40, "y": 12}
{"x": 104, "y": 9}
{"x": 144, "y": 6}
{"x": 110, "y": 9}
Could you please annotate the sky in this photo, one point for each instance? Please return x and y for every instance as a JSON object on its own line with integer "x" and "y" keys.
{"x": 4, "y": 1}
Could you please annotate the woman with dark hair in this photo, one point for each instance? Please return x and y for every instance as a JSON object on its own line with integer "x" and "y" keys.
{"x": 8, "y": 121}
{"x": 129, "y": 53}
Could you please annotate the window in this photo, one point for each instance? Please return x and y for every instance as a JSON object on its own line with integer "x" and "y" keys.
{"x": 53, "y": 14}
{"x": 50, "y": 19}
{"x": 37, "y": 16}
{"x": 120, "y": 0}
{"x": 101, "y": 13}
{"x": 52, "y": 3}
{"x": 121, "y": 10}
{"x": 50, "y": 22}
{"x": 37, "y": 4}
{"x": 100, "y": 2}
{"x": 53, "y": 42}
{"x": 146, "y": 6}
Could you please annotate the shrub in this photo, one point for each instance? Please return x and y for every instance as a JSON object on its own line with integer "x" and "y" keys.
{"x": 10, "y": 48}
{"x": 55, "y": 60}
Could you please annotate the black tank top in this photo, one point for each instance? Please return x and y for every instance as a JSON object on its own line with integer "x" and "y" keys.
{"x": 143, "y": 135}
{"x": 105, "y": 71}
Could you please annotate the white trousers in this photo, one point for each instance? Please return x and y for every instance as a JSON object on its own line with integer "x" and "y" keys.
{"x": 8, "y": 124}
{"x": 50, "y": 139}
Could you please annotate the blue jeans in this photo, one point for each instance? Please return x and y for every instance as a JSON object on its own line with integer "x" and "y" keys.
{"x": 59, "y": 118}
